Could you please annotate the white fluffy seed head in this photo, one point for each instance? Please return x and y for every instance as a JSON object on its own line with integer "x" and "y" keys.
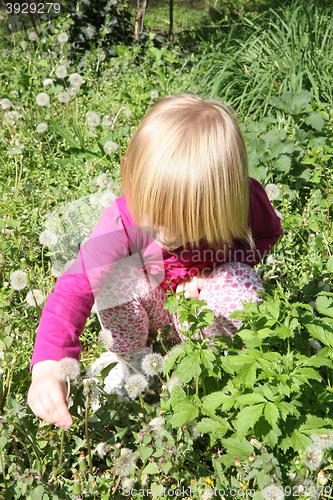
{"x": 47, "y": 238}
{"x": 125, "y": 462}
{"x": 61, "y": 71}
{"x": 68, "y": 367}
{"x": 76, "y": 79}
{"x": 35, "y": 296}
{"x": 152, "y": 364}
{"x": 110, "y": 147}
{"x": 63, "y": 97}
{"x": 47, "y": 82}
{"x": 63, "y": 37}
{"x": 272, "y": 191}
{"x": 43, "y": 99}
{"x": 6, "y": 103}
{"x": 42, "y": 127}
{"x": 106, "y": 339}
{"x": 135, "y": 385}
{"x": 93, "y": 119}
{"x": 272, "y": 492}
{"x": 18, "y": 280}
{"x": 314, "y": 457}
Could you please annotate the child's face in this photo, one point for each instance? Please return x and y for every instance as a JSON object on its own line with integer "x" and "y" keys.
{"x": 162, "y": 240}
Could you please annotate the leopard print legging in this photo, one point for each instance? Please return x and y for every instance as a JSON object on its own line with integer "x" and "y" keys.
{"x": 130, "y": 322}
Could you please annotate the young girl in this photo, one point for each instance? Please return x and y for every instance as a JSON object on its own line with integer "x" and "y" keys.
{"x": 190, "y": 219}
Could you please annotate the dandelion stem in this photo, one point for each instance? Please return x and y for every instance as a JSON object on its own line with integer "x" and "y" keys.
{"x": 3, "y": 469}
{"x": 113, "y": 490}
{"x": 87, "y": 431}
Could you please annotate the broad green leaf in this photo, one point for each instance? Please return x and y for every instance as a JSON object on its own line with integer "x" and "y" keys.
{"x": 207, "y": 358}
{"x": 249, "y": 399}
{"x": 207, "y": 425}
{"x": 151, "y": 468}
{"x": 283, "y": 163}
{"x": 184, "y": 412}
{"x": 171, "y": 304}
{"x": 324, "y": 305}
{"x": 247, "y": 417}
{"x": 189, "y": 367}
{"x": 215, "y": 399}
{"x": 299, "y": 441}
{"x": 238, "y": 447}
{"x": 330, "y": 265}
{"x": 177, "y": 395}
{"x": 145, "y": 452}
{"x": 316, "y": 121}
{"x": 271, "y": 413}
{"x": 247, "y": 374}
{"x": 65, "y": 134}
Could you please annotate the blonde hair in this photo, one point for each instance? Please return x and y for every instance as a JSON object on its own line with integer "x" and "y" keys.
{"x": 186, "y": 170}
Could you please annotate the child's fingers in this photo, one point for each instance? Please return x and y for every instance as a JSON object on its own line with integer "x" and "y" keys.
{"x": 50, "y": 405}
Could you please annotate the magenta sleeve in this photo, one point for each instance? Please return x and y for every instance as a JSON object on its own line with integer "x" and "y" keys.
{"x": 69, "y": 306}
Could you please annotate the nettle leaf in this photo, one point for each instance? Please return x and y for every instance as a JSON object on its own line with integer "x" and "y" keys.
{"x": 286, "y": 409}
{"x": 247, "y": 374}
{"x": 271, "y": 413}
{"x": 249, "y": 399}
{"x": 283, "y": 163}
{"x": 208, "y": 425}
{"x": 238, "y": 447}
{"x": 207, "y": 358}
{"x": 299, "y": 441}
{"x": 189, "y": 367}
{"x": 330, "y": 265}
{"x": 177, "y": 395}
{"x": 318, "y": 332}
{"x": 324, "y": 305}
{"x": 214, "y": 400}
{"x": 145, "y": 452}
{"x": 316, "y": 121}
{"x": 184, "y": 412}
{"x": 248, "y": 417}
{"x": 171, "y": 304}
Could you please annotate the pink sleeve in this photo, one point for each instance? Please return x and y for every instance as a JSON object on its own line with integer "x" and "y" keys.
{"x": 69, "y": 306}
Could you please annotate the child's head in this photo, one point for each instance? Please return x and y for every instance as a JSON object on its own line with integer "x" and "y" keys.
{"x": 185, "y": 170}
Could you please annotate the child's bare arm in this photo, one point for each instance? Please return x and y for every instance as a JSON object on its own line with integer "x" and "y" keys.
{"x": 47, "y": 395}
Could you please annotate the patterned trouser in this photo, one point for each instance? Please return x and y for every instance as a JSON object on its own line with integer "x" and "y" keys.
{"x": 140, "y": 308}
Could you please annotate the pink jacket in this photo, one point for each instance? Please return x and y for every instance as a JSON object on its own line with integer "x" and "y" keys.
{"x": 116, "y": 237}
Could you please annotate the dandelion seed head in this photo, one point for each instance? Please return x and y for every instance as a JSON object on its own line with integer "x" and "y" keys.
{"x": 68, "y": 367}
{"x": 272, "y": 191}
{"x": 206, "y": 494}
{"x": 323, "y": 441}
{"x": 61, "y": 71}
{"x": 76, "y": 79}
{"x": 47, "y": 238}
{"x": 101, "y": 449}
{"x": 279, "y": 214}
{"x": 154, "y": 94}
{"x": 63, "y": 37}
{"x": 63, "y": 97}
{"x": 72, "y": 91}
{"x": 6, "y": 103}
{"x": 43, "y": 99}
{"x": 152, "y": 364}
{"x": 314, "y": 457}
{"x": 103, "y": 180}
{"x": 93, "y": 119}
{"x": 47, "y": 82}
{"x": 125, "y": 462}
{"x": 18, "y": 280}
{"x": 174, "y": 380}
{"x": 135, "y": 385}
{"x": 127, "y": 483}
{"x": 107, "y": 121}
{"x": 110, "y": 147}
{"x": 42, "y": 127}
{"x": 33, "y": 295}
{"x": 33, "y": 36}
{"x": 107, "y": 198}
{"x": 156, "y": 424}
{"x": 106, "y": 339}
{"x": 11, "y": 117}
{"x": 272, "y": 492}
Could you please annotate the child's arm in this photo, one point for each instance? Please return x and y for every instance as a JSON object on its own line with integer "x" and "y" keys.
{"x": 47, "y": 395}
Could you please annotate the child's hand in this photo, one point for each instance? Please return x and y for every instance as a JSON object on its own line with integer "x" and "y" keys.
{"x": 193, "y": 285}
{"x": 47, "y": 395}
